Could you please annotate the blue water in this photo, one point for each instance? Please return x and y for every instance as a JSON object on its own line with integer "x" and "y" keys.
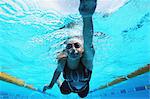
{"x": 30, "y": 38}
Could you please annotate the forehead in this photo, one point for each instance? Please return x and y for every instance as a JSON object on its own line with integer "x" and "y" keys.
{"x": 74, "y": 40}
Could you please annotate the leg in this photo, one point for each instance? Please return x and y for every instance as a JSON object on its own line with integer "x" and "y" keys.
{"x": 85, "y": 92}
{"x": 64, "y": 88}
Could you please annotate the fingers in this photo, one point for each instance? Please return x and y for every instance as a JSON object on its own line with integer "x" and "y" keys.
{"x": 45, "y": 88}
{"x": 83, "y": 1}
{"x": 87, "y": 7}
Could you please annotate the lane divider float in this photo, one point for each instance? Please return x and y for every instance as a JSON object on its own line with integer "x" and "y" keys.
{"x": 11, "y": 79}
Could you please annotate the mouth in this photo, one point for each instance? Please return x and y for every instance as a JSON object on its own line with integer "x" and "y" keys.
{"x": 74, "y": 55}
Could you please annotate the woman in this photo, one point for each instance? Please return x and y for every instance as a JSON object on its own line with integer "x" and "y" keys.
{"x": 76, "y": 61}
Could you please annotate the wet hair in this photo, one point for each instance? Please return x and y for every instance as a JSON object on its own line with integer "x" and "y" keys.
{"x": 75, "y": 38}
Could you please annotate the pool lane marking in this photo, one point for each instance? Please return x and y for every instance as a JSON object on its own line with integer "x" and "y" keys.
{"x": 11, "y": 79}
{"x": 124, "y": 78}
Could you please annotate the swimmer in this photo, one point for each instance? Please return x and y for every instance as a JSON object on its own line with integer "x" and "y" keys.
{"x": 76, "y": 60}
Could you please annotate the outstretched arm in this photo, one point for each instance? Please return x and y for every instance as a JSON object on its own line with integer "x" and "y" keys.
{"x": 86, "y": 9}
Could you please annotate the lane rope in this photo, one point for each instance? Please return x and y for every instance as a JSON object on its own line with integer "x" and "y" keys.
{"x": 13, "y": 80}
{"x": 124, "y": 78}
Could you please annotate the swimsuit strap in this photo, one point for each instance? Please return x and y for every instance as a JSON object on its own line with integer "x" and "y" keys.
{"x": 73, "y": 89}
{"x": 82, "y": 73}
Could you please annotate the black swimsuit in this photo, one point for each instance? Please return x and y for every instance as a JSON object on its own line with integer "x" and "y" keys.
{"x": 79, "y": 75}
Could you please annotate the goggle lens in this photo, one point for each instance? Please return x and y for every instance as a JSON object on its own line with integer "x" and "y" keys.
{"x": 76, "y": 45}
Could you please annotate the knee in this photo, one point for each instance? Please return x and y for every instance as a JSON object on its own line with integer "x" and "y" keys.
{"x": 65, "y": 91}
{"x": 82, "y": 95}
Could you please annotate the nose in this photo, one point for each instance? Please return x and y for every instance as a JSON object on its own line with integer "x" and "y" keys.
{"x": 74, "y": 50}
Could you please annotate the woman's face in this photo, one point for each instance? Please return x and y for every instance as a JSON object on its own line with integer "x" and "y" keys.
{"x": 74, "y": 49}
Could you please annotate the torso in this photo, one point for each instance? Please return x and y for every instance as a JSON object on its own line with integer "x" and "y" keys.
{"x": 76, "y": 77}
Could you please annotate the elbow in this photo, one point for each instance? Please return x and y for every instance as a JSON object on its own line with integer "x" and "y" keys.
{"x": 58, "y": 70}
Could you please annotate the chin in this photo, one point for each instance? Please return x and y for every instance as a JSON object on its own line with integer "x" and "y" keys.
{"x": 74, "y": 57}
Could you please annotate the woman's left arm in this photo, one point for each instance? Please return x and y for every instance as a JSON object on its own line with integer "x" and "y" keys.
{"x": 88, "y": 55}
{"x": 86, "y": 9}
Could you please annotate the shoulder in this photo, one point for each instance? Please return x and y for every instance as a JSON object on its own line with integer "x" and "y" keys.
{"x": 87, "y": 63}
{"x": 61, "y": 55}
{"x": 61, "y": 61}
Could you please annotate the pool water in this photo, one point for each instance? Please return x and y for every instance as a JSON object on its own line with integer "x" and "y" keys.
{"x": 30, "y": 38}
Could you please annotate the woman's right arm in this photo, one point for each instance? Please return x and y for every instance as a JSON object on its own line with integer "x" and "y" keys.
{"x": 59, "y": 69}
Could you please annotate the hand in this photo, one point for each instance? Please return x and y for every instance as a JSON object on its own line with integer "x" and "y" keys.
{"x": 46, "y": 87}
{"x": 87, "y": 7}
